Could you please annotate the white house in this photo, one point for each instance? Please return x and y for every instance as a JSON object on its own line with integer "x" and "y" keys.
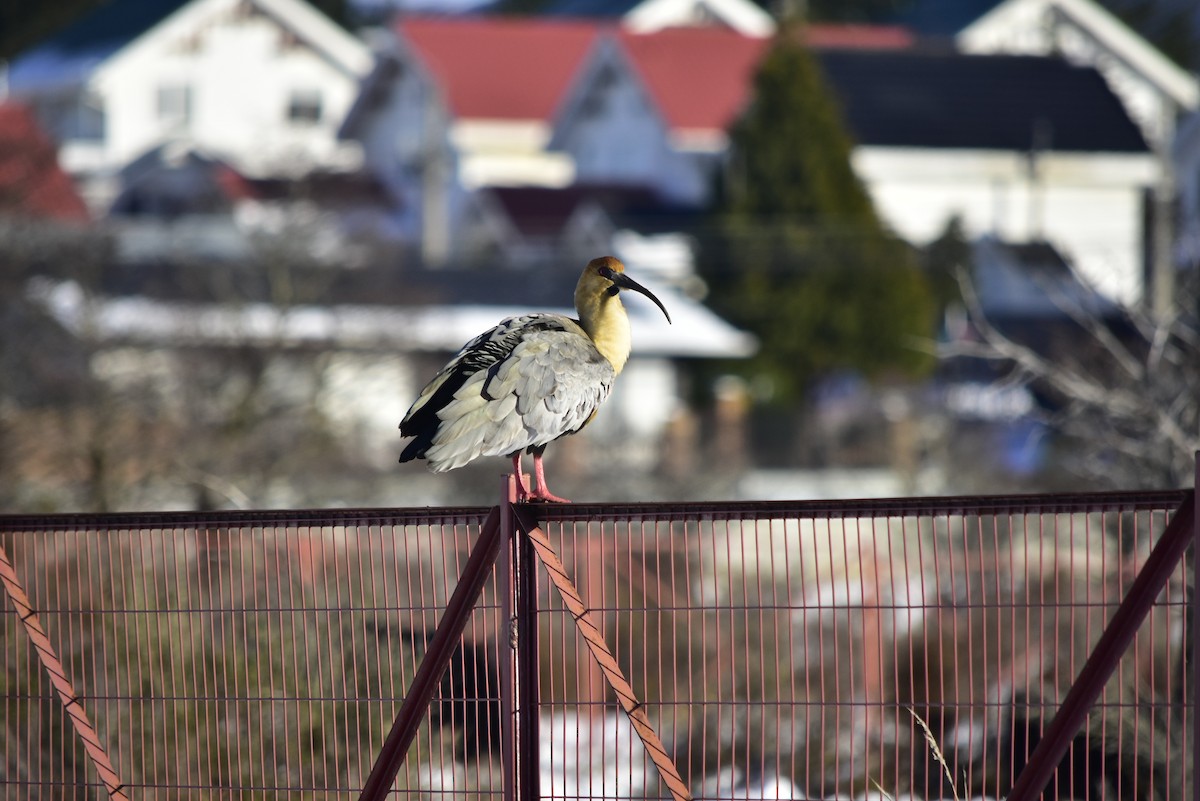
{"x": 1022, "y": 148}
{"x": 1155, "y": 91}
{"x": 263, "y": 84}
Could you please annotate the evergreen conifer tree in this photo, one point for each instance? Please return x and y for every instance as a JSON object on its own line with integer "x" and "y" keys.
{"x": 797, "y": 254}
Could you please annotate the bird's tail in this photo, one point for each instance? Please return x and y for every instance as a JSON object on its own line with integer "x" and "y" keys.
{"x": 417, "y": 448}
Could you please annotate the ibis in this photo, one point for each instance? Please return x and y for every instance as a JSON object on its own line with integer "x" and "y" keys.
{"x": 528, "y": 381}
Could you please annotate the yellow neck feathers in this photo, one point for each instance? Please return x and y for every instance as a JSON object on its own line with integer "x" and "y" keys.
{"x": 603, "y": 317}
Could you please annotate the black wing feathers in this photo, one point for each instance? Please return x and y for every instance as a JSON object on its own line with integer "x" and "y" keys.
{"x": 485, "y": 352}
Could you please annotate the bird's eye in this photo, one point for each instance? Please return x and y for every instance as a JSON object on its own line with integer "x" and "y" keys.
{"x": 606, "y": 272}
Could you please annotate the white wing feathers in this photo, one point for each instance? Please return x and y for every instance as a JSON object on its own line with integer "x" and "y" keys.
{"x": 526, "y": 382}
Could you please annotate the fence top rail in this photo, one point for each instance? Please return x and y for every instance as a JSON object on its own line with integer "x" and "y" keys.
{"x": 1152, "y": 500}
{"x": 469, "y": 515}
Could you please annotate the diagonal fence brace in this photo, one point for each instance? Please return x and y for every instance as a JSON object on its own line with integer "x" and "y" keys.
{"x": 437, "y": 657}
{"x": 1107, "y": 653}
{"x": 450, "y": 629}
{"x": 594, "y": 639}
{"x": 72, "y": 703}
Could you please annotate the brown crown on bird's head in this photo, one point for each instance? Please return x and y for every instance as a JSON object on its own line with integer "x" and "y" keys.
{"x": 605, "y": 277}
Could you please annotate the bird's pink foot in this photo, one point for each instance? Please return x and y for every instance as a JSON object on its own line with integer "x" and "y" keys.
{"x": 543, "y": 493}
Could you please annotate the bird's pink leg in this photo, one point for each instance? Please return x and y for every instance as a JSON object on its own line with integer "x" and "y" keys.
{"x": 542, "y": 493}
{"x": 523, "y": 493}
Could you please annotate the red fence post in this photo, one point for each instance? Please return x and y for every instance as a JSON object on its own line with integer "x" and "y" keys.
{"x": 1107, "y": 653}
{"x": 528, "y": 673}
{"x": 519, "y": 701}
{"x": 505, "y": 647}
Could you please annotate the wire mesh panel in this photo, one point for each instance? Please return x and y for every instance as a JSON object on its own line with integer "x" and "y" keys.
{"x": 904, "y": 649}
{"x": 865, "y": 650}
{"x": 259, "y": 657}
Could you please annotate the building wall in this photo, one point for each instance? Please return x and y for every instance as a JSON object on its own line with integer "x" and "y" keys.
{"x": 1088, "y": 205}
{"x": 615, "y": 135}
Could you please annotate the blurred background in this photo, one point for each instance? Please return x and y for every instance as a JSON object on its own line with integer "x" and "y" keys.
{"x": 909, "y": 246}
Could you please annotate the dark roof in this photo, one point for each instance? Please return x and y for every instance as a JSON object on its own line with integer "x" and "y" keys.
{"x": 112, "y": 24}
{"x": 597, "y": 9}
{"x": 994, "y": 102}
{"x": 941, "y": 17}
{"x": 67, "y": 56}
{"x": 543, "y": 211}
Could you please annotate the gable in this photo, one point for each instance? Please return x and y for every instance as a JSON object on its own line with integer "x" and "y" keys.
{"x": 607, "y": 87}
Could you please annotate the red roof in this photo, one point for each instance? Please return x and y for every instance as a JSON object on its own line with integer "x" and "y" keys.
{"x": 866, "y": 37}
{"x": 503, "y": 69}
{"x": 31, "y": 182}
{"x": 699, "y": 77}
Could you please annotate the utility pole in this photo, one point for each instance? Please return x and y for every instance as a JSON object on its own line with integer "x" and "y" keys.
{"x": 1160, "y": 272}
{"x": 435, "y": 186}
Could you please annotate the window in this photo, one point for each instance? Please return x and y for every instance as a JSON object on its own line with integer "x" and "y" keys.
{"x": 174, "y": 104}
{"x": 304, "y": 106}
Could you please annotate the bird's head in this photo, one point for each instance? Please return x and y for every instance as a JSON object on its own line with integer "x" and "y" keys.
{"x": 605, "y": 277}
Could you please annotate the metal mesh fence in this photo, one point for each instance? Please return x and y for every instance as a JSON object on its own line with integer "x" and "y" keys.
{"x": 783, "y": 650}
{"x": 803, "y": 651}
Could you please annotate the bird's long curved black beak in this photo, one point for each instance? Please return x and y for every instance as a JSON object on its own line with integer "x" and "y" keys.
{"x": 622, "y": 281}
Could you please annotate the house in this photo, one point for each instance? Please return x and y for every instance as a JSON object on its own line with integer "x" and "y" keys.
{"x": 1020, "y": 147}
{"x": 32, "y": 184}
{"x": 178, "y": 201}
{"x": 262, "y": 84}
{"x": 635, "y": 116}
{"x": 1156, "y": 92}
{"x": 455, "y": 105}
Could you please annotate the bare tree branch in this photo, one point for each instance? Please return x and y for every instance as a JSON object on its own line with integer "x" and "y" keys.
{"x": 1128, "y": 395}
